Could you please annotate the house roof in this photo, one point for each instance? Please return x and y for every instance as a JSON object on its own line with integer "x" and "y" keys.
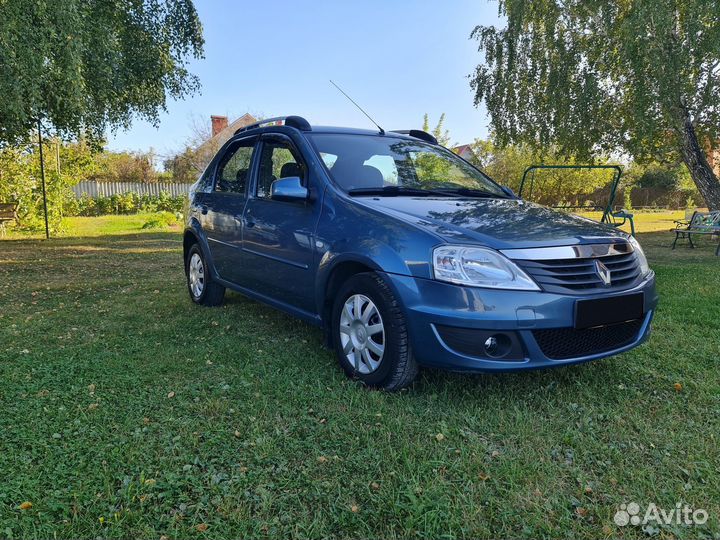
{"x": 227, "y": 132}
{"x": 462, "y": 149}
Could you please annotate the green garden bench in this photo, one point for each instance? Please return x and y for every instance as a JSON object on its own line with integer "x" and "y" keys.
{"x": 8, "y": 213}
{"x": 702, "y": 223}
{"x": 615, "y": 218}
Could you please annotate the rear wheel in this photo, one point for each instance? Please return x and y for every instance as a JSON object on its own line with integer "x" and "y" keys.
{"x": 202, "y": 288}
{"x": 370, "y": 334}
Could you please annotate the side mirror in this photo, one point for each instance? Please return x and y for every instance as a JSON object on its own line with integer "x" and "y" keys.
{"x": 509, "y": 192}
{"x": 288, "y": 189}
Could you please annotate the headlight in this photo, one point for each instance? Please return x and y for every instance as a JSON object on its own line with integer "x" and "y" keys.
{"x": 479, "y": 267}
{"x": 644, "y": 266}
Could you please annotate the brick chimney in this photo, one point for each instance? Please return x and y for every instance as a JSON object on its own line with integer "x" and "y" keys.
{"x": 218, "y": 124}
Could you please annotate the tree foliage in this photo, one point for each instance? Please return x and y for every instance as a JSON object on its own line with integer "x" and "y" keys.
{"x": 66, "y": 164}
{"x": 439, "y": 132}
{"x": 637, "y": 76}
{"x": 85, "y": 65}
{"x": 20, "y": 179}
{"x": 124, "y": 167}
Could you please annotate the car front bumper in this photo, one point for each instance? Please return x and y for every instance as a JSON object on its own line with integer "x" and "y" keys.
{"x": 432, "y": 307}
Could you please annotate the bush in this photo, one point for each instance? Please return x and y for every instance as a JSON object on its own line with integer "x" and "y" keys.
{"x": 124, "y": 203}
{"x": 161, "y": 220}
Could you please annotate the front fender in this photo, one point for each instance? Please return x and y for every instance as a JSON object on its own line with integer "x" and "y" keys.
{"x": 348, "y": 232}
{"x": 379, "y": 257}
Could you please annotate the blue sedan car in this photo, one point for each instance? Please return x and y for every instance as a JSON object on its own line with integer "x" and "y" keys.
{"x": 406, "y": 255}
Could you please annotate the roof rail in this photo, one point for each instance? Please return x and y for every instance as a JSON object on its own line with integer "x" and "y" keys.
{"x": 297, "y": 122}
{"x": 418, "y": 134}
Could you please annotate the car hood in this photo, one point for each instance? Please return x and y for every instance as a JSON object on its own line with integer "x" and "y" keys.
{"x": 498, "y": 223}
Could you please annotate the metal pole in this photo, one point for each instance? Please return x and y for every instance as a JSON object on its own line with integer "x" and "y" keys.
{"x": 42, "y": 176}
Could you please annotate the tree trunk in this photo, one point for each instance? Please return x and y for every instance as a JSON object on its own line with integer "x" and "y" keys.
{"x": 697, "y": 163}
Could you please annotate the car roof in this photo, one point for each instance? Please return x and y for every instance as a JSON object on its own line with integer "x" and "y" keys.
{"x": 355, "y": 131}
{"x": 294, "y": 124}
{"x": 320, "y": 129}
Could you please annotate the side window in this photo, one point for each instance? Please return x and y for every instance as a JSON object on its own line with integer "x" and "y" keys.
{"x": 328, "y": 159}
{"x": 279, "y": 159}
{"x": 234, "y": 168}
{"x": 204, "y": 183}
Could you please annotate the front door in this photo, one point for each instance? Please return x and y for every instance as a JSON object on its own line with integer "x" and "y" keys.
{"x": 224, "y": 208}
{"x": 278, "y": 236}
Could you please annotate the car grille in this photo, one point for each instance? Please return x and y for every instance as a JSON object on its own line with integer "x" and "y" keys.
{"x": 562, "y": 343}
{"x": 578, "y": 276}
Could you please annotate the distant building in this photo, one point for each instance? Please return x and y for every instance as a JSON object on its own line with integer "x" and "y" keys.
{"x": 222, "y": 131}
{"x": 464, "y": 151}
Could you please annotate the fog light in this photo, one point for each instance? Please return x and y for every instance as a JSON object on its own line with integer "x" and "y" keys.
{"x": 497, "y": 345}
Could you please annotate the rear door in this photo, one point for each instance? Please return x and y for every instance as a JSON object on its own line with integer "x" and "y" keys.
{"x": 224, "y": 207}
{"x": 278, "y": 236}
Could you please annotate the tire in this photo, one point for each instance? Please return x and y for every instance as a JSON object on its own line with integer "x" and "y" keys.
{"x": 201, "y": 286}
{"x": 362, "y": 333}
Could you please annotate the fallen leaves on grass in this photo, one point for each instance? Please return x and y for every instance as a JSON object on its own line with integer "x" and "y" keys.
{"x": 678, "y": 387}
{"x": 171, "y": 395}
{"x": 322, "y": 459}
{"x": 202, "y": 527}
{"x": 439, "y": 437}
{"x": 27, "y": 505}
{"x": 483, "y": 476}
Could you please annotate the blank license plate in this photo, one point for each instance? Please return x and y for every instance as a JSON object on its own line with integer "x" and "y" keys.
{"x": 611, "y": 310}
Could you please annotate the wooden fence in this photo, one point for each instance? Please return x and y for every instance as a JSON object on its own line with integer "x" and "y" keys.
{"x": 106, "y": 189}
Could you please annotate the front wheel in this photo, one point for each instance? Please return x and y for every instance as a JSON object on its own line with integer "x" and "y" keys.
{"x": 202, "y": 288}
{"x": 370, "y": 334}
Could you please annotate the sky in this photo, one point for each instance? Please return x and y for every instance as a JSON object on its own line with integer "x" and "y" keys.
{"x": 397, "y": 59}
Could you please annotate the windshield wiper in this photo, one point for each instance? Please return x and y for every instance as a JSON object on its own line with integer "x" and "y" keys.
{"x": 392, "y": 191}
{"x": 470, "y": 192}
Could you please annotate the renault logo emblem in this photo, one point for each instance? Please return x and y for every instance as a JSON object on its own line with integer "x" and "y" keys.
{"x": 603, "y": 272}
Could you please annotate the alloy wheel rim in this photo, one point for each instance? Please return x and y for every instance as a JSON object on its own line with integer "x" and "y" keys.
{"x": 196, "y": 275}
{"x": 362, "y": 334}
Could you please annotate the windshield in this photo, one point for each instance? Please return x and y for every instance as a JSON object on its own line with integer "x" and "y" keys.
{"x": 365, "y": 163}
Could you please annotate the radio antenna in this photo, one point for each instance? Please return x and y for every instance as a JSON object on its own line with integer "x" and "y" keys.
{"x": 382, "y": 131}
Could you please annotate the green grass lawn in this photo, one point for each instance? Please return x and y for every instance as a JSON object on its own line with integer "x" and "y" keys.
{"x": 127, "y": 411}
